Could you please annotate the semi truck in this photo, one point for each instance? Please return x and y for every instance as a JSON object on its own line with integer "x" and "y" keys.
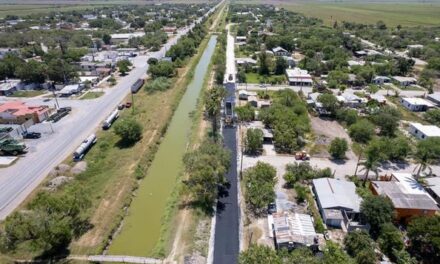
{"x": 85, "y": 146}
{"x": 110, "y": 119}
{"x": 137, "y": 85}
{"x": 12, "y": 147}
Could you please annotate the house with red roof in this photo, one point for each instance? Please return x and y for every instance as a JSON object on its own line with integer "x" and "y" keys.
{"x": 17, "y": 112}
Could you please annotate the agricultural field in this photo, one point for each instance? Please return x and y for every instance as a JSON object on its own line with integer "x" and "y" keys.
{"x": 404, "y": 14}
{"x": 28, "y": 9}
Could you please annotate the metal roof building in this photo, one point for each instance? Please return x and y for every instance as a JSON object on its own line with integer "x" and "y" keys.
{"x": 336, "y": 199}
{"x": 293, "y": 230}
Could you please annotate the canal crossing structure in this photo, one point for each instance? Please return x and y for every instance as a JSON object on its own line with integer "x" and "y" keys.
{"x": 119, "y": 259}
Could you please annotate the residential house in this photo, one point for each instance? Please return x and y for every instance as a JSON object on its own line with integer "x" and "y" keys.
{"x": 338, "y": 203}
{"x": 414, "y": 46}
{"x": 415, "y": 104}
{"x": 245, "y": 62}
{"x": 8, "y": 87}
{"x": 378, "y": 98}
{"x": 299, "y": 77}
{"x": 244, "y": 95}
{"x": 352, "y": 100}
{"x": 255, "y": 102}
{"x": 407, "y": 195}
{"x": 352, "y": 63}
{"x": 292, "y": 230}
{"x": 280, "y": 52}
{"x": 267, "y": 133}
{"x": 404, "y": 81}
{"x": 379, "y": 80}
{"x": 240, "y": 40}
{"x": 16, "y": 112}
{"x": 435, "y": 98}
{"x": 423, "y": 131}
{"x": 4, "y": 51}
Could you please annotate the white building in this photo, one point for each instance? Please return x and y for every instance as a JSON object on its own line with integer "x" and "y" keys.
{"x": 381, "y": 80}
{"x": 71, "y": 89}
{"x": 124, "y": 37}
{"x": 421, "y": 131}
{"x": 298, "y": 77}
{"x": 405, "y": 81}
{"x": 279, "y": 51}
{"x": 415, "y": 104}
{"x": 435, "y": 98}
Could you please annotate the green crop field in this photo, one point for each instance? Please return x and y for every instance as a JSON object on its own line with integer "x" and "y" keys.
{"x": 23, "y": 10}
{"x": 395, "y": 13}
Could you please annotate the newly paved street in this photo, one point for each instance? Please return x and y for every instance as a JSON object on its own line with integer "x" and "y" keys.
{"x": 226, "y": 242}
{"x": 18, "y": 180}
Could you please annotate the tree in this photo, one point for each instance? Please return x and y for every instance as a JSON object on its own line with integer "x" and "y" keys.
{"x": 329, "y": 102}
{"x": 433, "y": 116}
{"x": 106, "y": 38}
{"x": 245, "y": 113}
{"x": 349, "y": 116}
{"x": 381, "y": 25}
{"x": 357, "y": 241}
{"x": 263, "y": 63}
{"x": 260, "y": 181}
{"x": 206, "y": 167}
{"x": 390, "y": 240}
{"x": 162, "y": 69}
{"x": 362, "y": 131}
{"x": 334, "y": 254}
{"x": 280, "y": 65}
{"x": 129, "y": 130}
{"x": 426, "y": 154}
{"x": 424, "y": 234}
{"x": 387, "y": 119}
{"x": 377, "y": 210}
{"x": 259, "y": 254}
{"x": 338, "y": 147}
{"x": 213, "y": 99}
{"x": 32, "y": 72}
{"x": 123, "y": 66}
{"x": 254, "y": 141}
{"x": 302, "y": 171}
{"x": 60, "y": 71}
{"x": 241, "y": 76}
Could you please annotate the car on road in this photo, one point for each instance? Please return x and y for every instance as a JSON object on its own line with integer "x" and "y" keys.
{"x": 47, "y": 100}
{"x": 271, "y": 208}
{"x": 31, "y": 135}
{"x": 121, "y": 106}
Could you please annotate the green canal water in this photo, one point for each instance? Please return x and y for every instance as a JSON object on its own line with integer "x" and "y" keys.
{"x": 141, "y": 228}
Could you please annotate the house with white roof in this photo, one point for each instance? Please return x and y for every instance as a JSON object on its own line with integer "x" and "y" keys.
{"x": 352, "y": 100}
{"x": 245, "y": 61}
{"x": 421, "y": 131}
{"x": 338, "y": 203}
{"x": 415, "y": 104}
{"x": 404, "y": 81}
{"x": 299, "y": 77}
{"x": 279, "y": 51}
{"x": 381, "y": 80}
{"x": 434, "y": 97}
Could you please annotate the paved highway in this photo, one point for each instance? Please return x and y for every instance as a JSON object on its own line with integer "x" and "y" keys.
{"x": 20, "y": 179}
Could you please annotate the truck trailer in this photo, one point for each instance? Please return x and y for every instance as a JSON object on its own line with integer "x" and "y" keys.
{"x": 85, "y": 146}
{"x": 137, "y": 85}
{"x": 110, "y": 119}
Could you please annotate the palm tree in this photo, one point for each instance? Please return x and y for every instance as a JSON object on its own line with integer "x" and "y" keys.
{"x": 427, "y": 153}
{"x": 370, "y": 164}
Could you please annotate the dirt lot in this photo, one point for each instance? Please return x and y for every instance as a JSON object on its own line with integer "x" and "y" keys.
{"x": 325, "y": 131}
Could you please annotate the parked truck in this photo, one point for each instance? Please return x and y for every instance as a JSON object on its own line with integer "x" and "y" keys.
{"x": 85, "y": 146}
{"x": 12, "y": 147}
{"x": 137, "y": 85}
{"x": 110, "y": 119}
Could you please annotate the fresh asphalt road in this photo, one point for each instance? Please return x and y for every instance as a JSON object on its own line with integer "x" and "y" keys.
{"x": 20, "y": 179}
{"x": 226, "y": 241}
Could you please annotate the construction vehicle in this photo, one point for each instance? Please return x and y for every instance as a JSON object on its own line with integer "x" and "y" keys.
{"x": 110, "y": 119}
{"x": 85, "y": 146}
{"x": 302, "y": 155}
{"x": 229, "y": 114}
{"x": 12, "y": 147}
{"x": 5, "y": 129}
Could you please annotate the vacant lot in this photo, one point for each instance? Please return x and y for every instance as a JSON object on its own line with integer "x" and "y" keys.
{"x": 405, "y": 14}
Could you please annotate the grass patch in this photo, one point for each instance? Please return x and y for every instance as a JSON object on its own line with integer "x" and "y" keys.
{"x": 91, "y": 95}
{"x": 253, "y": 77}
{"x": 406, "y": 114}
{"x": 28, "y": 93}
